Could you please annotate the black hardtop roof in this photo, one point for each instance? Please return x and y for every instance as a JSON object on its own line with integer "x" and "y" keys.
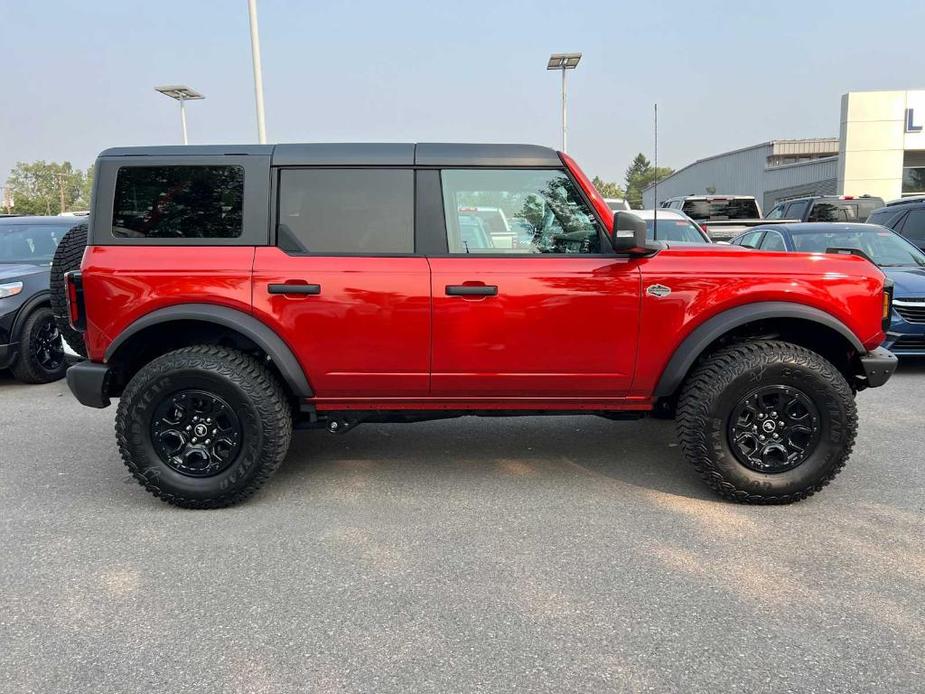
{"x": 363, "y": 154}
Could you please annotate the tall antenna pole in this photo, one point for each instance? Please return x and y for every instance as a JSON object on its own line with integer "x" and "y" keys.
{"x": 655, "y": 190}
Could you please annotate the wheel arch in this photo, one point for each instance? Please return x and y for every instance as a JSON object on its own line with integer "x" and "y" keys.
{"x": 176, "y": 326}
{"x": 798, "y": 323}
{"x": 37, "y": 300}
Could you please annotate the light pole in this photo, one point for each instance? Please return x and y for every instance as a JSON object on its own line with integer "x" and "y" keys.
{"x": 258, "y": 72}
{"x": 181, "y": 94}
{"x": 563, "y": 62}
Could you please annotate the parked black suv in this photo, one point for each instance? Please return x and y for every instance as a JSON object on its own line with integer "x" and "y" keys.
{"x": 31, "y": 343}
{"x": 826, "y": 208}
{"x": 906, "y": 217}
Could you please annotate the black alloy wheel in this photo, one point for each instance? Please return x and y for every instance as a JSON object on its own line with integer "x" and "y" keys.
{"x": 196, "y": 433}
{"x": 773, "y": 429}
{"x": 46, "y": 346}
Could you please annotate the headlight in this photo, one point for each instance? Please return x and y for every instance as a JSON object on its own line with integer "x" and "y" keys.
{"x": 10, "y": 289}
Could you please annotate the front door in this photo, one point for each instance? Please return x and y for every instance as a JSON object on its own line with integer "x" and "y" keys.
{"x": 552, "y": 314}
{"x": 342, "y": 285}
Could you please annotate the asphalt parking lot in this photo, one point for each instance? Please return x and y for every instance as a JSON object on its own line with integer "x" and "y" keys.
{"x": 530, "y": 554}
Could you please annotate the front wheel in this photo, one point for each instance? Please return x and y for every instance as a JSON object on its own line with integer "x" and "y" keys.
{"x": 766, "y": 422}
{"x": 203, "y": 426}
{"x": 41, "y": 350}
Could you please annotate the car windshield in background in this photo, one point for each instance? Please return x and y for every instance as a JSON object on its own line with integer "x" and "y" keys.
{"x": 673, "y": 230}
{"x": 885, "y": 248}
{"x": 33, "y": 244}
{"x": 720, "y": 209}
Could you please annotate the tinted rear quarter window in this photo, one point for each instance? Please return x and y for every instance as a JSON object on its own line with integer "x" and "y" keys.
{"x": 834, "y": 211}
{"x": 346, "y": 211}
{"x": 914, "y": 226}
{"x": 720, "y": 209}
{"x": 178, "y": 202}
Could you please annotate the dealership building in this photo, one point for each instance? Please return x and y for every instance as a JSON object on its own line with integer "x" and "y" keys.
{"x": 880, "y": 151}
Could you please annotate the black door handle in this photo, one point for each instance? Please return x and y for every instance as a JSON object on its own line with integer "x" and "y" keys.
{"x": 471, "y": 290}
{"x": 294, "y": 288}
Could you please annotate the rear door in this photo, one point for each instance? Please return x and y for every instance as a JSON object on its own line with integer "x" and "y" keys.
{"x": 555, "y": 317}
{"x": 342, "y": 284}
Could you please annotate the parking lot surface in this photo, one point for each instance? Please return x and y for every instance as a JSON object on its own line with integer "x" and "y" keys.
{"x": 536, "y": 554}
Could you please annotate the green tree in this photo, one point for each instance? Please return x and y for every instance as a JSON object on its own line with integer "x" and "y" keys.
{"x": 608, "y": 189}
{"x": 640, "y": 175}
{"x": 48, "y": 187}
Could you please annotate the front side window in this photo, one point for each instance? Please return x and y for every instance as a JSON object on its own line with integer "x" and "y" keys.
{"x": 178, "y": 202}
{"x": 773, "y": 241}
{"x": 749, "y": 240}
{"x": 796, "y": 210}
{"x": 516, "y": 211}
{"x": 346, "y": 211}
{"x": 776, "y": 213}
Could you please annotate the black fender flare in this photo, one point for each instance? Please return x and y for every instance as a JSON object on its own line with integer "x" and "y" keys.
{"x": 712, "y": 329}
{"x": 27, "y": 307}
{"x": 239, "y": 321}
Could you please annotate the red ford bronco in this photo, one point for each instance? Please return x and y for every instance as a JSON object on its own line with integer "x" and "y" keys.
{"x": 230, "y": 293}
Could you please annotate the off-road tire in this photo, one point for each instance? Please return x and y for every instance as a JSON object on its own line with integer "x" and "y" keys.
{"x": 68, "y": 255}
{"x": 724, "y": 379}
{"x": 247, "y": 386}
{"x": 28, "y": 367}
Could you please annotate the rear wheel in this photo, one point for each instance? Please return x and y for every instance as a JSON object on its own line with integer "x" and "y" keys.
{"x": 204, "y": 426}
{"x": 68, "y": 256}
{"x": 41, "y": 350}
{"x": 767, "y": 422}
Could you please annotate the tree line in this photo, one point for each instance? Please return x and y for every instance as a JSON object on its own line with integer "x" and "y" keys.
{"x": 640, "y": 174}
{"x": 47, "y": 188}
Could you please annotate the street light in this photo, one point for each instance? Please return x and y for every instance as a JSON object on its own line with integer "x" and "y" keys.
{"x": 563, "y": 62}
{"x": 181, "y": 94}
{"x": 258, "y": 72}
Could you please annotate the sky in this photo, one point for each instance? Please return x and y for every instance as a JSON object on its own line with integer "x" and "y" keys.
{"x": 78, "y": 76}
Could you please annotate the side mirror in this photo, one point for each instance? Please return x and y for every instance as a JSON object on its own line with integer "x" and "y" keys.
{"x": 629, "y": 233}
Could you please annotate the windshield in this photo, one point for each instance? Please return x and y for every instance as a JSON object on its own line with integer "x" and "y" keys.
{"x": 30, "y": 243}
{"x": 884, "y": 247}
{"x": 673, "y": 230}
{"x": 719, "y": 209}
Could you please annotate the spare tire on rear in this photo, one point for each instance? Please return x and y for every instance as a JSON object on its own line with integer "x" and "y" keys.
{"x": 68, "y": 255}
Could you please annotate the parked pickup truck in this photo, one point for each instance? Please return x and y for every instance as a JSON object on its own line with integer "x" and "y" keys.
{"x": 228, "y": 294}
{"x": 722, "y": 217}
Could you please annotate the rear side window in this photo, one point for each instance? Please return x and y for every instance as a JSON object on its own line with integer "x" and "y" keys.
{"x": 914, "y": 227}
{"x": 719, "y": 209}
{"x": 346, "y": 211}
{"x": 882, "y": 217}
{"x": 834, "y": 212}
{"x": 178, "y": 202}
{"x": 516, "y": 212}
{"x": 749, "y": 240}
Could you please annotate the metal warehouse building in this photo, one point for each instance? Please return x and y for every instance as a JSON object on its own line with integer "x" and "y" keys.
{"x": 880, "y": 151}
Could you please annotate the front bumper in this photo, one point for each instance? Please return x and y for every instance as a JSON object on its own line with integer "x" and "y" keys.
{"x": 8, "y": 354}
{"x": 878, "y": 366}
{"x": 89, "y": 382}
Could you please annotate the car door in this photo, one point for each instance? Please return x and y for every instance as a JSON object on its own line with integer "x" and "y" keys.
{"x": 554, "y": 317}
{"x": 342, "y": 284}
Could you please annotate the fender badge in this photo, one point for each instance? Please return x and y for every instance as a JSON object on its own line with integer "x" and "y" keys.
{"x": 658, "y": 290}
